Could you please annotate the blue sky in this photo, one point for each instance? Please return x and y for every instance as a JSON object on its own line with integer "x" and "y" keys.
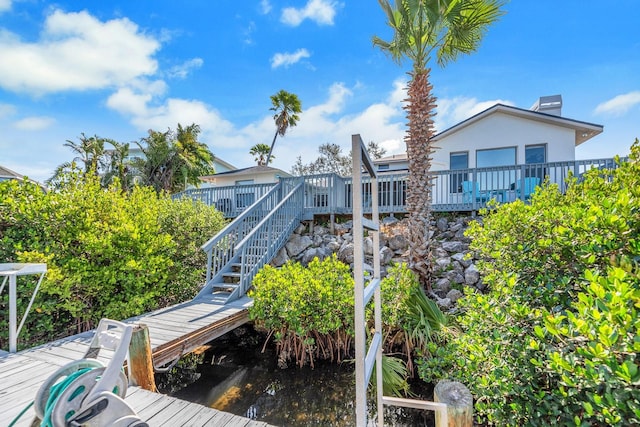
{"x": 118, "y": 68}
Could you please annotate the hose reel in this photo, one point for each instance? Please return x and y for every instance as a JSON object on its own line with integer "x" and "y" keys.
{"x": 85, "y": 392}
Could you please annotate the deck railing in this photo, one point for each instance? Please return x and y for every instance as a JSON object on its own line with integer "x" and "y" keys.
{"x": 452, "y": 190}
{"x": 269, "y": 235}
{"x": 221, "y": 249}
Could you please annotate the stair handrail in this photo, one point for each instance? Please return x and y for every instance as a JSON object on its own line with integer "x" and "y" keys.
{"x": 278, "y": 225}
{"x": 224, "y": 242}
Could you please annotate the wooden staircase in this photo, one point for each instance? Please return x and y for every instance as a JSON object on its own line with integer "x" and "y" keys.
{"x": 243, "y": 247}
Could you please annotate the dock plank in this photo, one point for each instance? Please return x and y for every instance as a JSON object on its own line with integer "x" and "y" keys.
{"x": 173, "y": 331}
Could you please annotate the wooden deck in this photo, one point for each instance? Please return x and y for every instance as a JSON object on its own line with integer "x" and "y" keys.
{"x": 173, "y": 331}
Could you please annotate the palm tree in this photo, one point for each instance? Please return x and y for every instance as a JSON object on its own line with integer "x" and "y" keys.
{"x": 174, "y": 159}
{"x": 89, "y": 152}
{"x": 422, "y": 28}
{"x": 260, "y": 152}
{"x": 118, "y": 165}
{"x": 287, "y": 106}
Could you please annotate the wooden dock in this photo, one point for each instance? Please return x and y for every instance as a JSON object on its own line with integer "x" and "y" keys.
{"x": 173, "y": 331}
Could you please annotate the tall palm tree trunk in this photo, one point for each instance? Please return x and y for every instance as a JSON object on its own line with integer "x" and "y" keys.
{"x": 420, "y": 110}
{"x": 271, "y": 149}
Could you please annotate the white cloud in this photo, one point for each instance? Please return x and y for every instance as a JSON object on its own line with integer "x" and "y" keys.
{"x": 5, "y": 5}
{"x": 76, "y": 52}
{"x": 34, "y": 123}
{"x": 182, "y": 71}
{"x": 619, "y": 105}
{"x": 6, "y": 110}
{"x": 265, "y": 6}
{"x": 451, "y": 111}
{"x": 320, "y": 11}
{"x": 286, "y": 59}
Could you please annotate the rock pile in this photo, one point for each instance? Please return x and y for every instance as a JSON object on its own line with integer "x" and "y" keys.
{"x": 454, "y": 264}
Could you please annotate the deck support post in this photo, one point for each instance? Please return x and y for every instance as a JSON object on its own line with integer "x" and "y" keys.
{"x": 459, "y": 403}
{"x": 332, "y": 223}
{"x": 141, "y": 359}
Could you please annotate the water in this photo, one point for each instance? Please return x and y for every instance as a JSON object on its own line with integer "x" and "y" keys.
{"x": 235, "y": 376}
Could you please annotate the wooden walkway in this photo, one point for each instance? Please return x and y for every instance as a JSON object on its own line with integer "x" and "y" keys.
{"x": 173, "y": 331}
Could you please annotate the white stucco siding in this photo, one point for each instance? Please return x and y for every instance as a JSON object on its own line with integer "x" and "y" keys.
{"x": 258, "y": 178}
{"x": 504, "y": 130}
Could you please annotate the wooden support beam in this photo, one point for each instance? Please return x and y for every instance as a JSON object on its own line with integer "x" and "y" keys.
{"x": 141, "y": 370}
{"x": 459, "y": 403}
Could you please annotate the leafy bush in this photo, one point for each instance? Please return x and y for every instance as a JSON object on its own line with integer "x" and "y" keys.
{"x": 308, "y": 310}
{"x": 108, "y": 253}
{"x": 555, "y": 339}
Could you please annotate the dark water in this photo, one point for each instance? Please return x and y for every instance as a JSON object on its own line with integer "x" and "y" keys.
{"x": 235, "y": 376}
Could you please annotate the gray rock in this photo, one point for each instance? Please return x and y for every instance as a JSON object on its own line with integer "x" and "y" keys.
{"x": 398, "y": 242}
{"x": 389, "y": 220}
{"x": 442, "y": 224}
{"x": 442, "y": 287}
{"x": 386, "y": 255}
{"x": 471, "y": 275}
{"x": 319, "y": 230}
{"x": 333, "y": 247}
{"x": 318, "y": 240}
{"x": 462, "y": 259}
{"x": 297, "y": 244}
{"x": 444, "y": 303}
{"x": 280, "y": 259}
{"x": 301, "y": 228}
{"x": 438, "y": 252}
{"x": 455, "y": 277}
{"x": 454, "y": 295}
{"x": 442, "y": 264}
{"x": 345, "y": 253}
{"x": 452, "y": 247}
{"x": 455, "y": 227}
{"x": 368, "y": 246}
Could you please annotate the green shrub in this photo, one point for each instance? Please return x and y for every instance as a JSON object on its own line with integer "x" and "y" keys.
{"x": 554, "y": 341}
{"x": 308, "y": 310}
{"x": 109, "y": 254}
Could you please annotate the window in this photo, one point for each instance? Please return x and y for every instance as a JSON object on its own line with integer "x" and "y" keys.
{"x": 458, "y": 161}
{"x": 496, "y": 157}
{"x": 244, "y": 182}
{"x": 534, "y": 155}
{"x": 499, "y": 179}
{"x": 384, "y": 167}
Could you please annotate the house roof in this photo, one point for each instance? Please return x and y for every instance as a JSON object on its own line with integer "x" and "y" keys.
{"x": 251, "y": 171}
{"x": 395, "y": 158}
{"x": 583, "y": 130}
{"x": 8, "y": 173}
{"x": 224, "y": 163}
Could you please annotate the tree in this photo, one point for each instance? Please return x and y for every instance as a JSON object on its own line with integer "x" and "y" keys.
{"x": 331, "y": 160}
{"x": 260, "y": 152}
{"x": 89, "y": 153}
{"x": 174, "y": 159}
{"x": 117, "y": 166}
{"x": 287, "y": 106}
{"x": 446, "y": 28}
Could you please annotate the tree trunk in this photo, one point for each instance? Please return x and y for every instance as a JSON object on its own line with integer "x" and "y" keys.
{"x": 420, "y": 110}
{"x": 271, "y": 149}
{"x": 459, "y": 403}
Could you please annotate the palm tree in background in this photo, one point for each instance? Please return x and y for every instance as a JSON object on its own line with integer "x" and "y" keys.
{"x": 422, "y": 28}
{"x": 287, "y": 106}
{"x": 173, "y": 160}
{"x": 89, "y": 157}
{"x": 260, "y": 153}
{"x": 118, "y": 165}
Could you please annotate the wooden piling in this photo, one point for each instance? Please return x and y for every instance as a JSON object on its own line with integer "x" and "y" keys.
{"x": 459, "y": 403}
{"x": 141, "y": 369}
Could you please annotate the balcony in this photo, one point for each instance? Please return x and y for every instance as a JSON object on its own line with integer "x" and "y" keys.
{"x": 462, "y": 190}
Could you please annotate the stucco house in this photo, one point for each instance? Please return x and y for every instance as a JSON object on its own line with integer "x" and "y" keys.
{"x": 239, "y": 188}
{"x": 488, "y": 147}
